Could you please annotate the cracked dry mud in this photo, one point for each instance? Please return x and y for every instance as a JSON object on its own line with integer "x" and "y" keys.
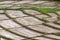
{"x": 28, "y": 24}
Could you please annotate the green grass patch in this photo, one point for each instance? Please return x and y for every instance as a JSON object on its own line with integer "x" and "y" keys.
{"x": 14, "y": 9}
{"x": 46, "y": 10}
{"x": 1, "y": 0}
{"x": 58, "y": 33}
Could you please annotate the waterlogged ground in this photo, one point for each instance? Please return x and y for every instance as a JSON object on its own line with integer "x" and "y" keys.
{"x": 28, "y": 22}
